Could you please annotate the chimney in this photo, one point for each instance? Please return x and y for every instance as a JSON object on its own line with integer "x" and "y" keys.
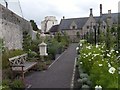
{"x": 63, "y": 17}
{"x": 109, "y": 11}
{"x": 6, "y": 3}
{"x": 91, "y": 13}
{"x": 100, "y": 9}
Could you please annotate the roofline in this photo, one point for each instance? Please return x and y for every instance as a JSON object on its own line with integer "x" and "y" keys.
{"x": 74, "y": 18}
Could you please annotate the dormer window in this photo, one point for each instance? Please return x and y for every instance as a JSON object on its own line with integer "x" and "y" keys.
{"x": 73, "y": 27}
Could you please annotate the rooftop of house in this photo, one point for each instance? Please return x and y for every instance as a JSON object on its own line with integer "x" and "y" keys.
{"x": 54, "y": 28}
{"x": 65, "y": 23}
{"x": 80, "y": 22}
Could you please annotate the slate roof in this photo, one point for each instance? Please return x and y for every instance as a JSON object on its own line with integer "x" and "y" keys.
{"x": 65, "y": 23}
{"x": 80, "y": 22}
{"x": 113, "y": 15}
{"x": 54, "y": 28}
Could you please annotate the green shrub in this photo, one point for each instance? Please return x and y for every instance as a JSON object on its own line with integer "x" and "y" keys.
{"x": 32, "y": 54}
{"x": 7, "y": 73}
{"x": 4, "y": 87}
{"x": 17, "y": 84}
{"x": 6, "y": 84}
{"x": 101, "y": 68}
{"x": 8, "y": 54}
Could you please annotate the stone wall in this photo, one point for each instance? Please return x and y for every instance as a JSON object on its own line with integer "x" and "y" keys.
{"x": 12, "y": 27}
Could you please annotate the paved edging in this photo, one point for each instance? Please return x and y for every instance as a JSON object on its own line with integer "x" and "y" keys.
{"x": 56, "y": 59}
{"x": 72, "y": 81}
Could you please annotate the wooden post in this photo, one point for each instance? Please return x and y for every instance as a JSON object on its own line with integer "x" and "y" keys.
{"x": 22, "y": 74}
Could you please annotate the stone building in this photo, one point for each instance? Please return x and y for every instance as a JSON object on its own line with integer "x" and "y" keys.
{"x": 48, "y": 23}
{"x": 84, "y": 25}
{"x": 12, "y": 27}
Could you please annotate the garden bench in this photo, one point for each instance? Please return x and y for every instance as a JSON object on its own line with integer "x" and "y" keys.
{"x": 20, "y": 64}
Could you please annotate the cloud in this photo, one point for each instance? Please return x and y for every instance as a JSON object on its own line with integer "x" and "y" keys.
{"x": 38, "y": 9}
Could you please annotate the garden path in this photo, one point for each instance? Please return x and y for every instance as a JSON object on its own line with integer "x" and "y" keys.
{"x": 59, "y": 75}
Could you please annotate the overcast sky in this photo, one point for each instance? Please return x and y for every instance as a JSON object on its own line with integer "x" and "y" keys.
{"x": 38, "y": 9}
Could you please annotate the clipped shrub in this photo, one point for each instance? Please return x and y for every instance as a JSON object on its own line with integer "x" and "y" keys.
{"x": 84, "y": 80}
{"x": 84, "y": 75}
{"x": 80, "y": 81}
{"x": 85, "y": 87}
{"x": 89, "y": 83}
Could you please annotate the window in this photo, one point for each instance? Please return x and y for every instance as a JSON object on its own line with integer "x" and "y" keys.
{"x": 73, "y": 27}
{"x": 104, "y": 27}
{"x": 87, "y": 27}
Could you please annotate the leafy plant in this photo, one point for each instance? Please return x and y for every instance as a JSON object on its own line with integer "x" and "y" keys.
{"x": 17, "y": 84}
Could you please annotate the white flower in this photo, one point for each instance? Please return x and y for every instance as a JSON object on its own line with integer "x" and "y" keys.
{"x": 89, "y": 59}
{"x": 88, "y": 47}
{"x": 112, "y": 50}
{"x": 96, "y": 46}
{"x": 117, "y": 52}
{"x": 109, "y": 65}
{"x": 92, "y": 57}
{"x": 108, "y": 55}
{"x": 95, "y": 55}
{"x": 102, "y": 59}
{"x": 86, "y": 55}
{"x": 118, "y": 72}
{"x": 89, "y": 53}
{"x": 112, "y": 70}
{"x": 81, "y": 45}
{"x": 107, "y": 50}
{"x": 100, "y": 65}
{"x": 102, "y": 47}
{"x": 98, "y": 87}
{"x": 80, "y": 62}
{"x": 77, "y": 48}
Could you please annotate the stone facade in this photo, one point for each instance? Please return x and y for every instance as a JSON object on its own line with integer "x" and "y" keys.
{"x": 48, "y": 23}
{"x": 84, "y": 25}
{"x": 12, "y": 27}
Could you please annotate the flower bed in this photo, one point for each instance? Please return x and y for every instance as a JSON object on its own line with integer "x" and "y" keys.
{"x": 100, "y": 64}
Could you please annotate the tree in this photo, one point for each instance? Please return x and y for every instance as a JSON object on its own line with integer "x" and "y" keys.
{"x": 34, "y": 25}
{"x": 27, "y": 41}
{"x": 118, "y": 38}
{"x": 78, "y": 34}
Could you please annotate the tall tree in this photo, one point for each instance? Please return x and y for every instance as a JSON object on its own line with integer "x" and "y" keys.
{"x": 34, "y": 25}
